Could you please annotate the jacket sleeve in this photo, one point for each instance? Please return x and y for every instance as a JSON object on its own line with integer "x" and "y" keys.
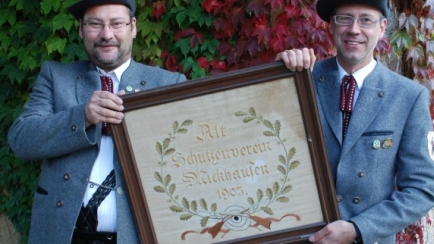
{"x": 52, "y": 122}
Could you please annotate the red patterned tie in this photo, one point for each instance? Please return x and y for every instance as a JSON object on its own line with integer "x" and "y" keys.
{"x": 348, "y": 88}
{"x": 107, "y": 85}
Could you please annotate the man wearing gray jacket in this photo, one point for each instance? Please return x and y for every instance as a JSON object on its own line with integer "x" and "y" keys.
{"x": 376, "y": 125}
{"x": 81, "y": 196}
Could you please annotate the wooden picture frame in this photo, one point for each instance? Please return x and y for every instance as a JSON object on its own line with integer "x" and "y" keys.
{"x": 236, "y": 157}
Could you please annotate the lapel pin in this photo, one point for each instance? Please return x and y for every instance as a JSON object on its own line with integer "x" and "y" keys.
{"x": 387, "y": 143}
{"x": 376, "y": 144}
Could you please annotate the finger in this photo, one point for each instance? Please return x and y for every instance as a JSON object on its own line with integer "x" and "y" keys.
{"x": 306, "y": 58}
{"x": 313, "y": 58}
{"x": 279, "y": 56}
{"x": 111, "y": 101}
{"x": 319, "y": 235}
{"x": 121, "y": 92}
{"x": 110, "y": 116}
{"x": 105, "y": 95}
{"x": 290, "y": 58}
{"x": 104, "y": 107}
{"x": 298, "y": 59}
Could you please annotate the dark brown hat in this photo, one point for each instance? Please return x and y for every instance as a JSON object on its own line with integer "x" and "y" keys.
{"x": 325, "y": 8}
{"x": 77, "y": 9}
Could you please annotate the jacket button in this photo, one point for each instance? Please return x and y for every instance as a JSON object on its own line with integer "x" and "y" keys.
{"x": 356, "y": 200}
{"x": 320, "y": 79}
{"x": 339, "y": 198}
{"x": 143, "y": 82}
{"x": 79, "y": 77}
{"x": 381, "y": 94}
{"x": 361, "y": 174}
{"x": 120, "y": 191}
{"x": 59, "y": 203}
{"x": 73, "y": 128}
{"x": 66, "y": 177}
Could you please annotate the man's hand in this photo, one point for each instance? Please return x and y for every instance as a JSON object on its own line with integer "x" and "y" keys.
{"x": 297, "y": 60}
{"x": 104, "y": 106}
{"x": 338, "y": 232}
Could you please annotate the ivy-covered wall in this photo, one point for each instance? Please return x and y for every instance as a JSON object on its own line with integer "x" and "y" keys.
{"x": 196, "y": 37}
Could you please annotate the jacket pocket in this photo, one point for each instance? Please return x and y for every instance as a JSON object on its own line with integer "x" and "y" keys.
{"x": 41, "y": 191}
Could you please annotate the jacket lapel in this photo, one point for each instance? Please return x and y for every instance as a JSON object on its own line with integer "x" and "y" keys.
{"x": 328, "y": 90}
{"x": 87, "y": 82}
{"x": 367, "y": 107}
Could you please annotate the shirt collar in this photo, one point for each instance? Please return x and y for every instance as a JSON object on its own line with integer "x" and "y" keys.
{"x": 360, "y": 74}
{"x": 118, "y": 71}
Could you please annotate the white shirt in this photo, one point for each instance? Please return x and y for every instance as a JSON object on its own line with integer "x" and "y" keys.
{"x": 359, "y": 76}
{"x": 107, "y": 216}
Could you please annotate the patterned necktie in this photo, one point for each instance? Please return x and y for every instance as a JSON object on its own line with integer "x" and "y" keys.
{"x": 106, "y": 85}
{"x": 348, "y": 89}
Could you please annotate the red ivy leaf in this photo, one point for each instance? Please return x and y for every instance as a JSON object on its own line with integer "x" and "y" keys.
{"x": 416, "y": 53}
{"x": 203, "y": 62}
{"x": 178, "y": 35}
{"x": 275, "y": 3}
{"x": 262, "y": 31}
{"x": 158, "y": 8}
{"x": 224, "y": 28}
{"x": 170, "y": 62}
{"x": 212, "y": 6}
{"x": 292, "y": 11}
{"x": 258, "y": 7}
{"x": 237, "y": 15}
{"x": 383, "y": 46}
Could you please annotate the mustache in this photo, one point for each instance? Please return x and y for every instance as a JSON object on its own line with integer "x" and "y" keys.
{"x": 105, "y": 43}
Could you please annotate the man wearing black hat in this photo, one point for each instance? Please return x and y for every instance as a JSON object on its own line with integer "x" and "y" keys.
{"x": 376, "y": 125}
{"x": 80, "y": 196}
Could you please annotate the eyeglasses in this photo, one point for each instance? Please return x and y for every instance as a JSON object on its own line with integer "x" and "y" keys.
{"x": 115, "y": 26}
{"x": 366, "y": 22}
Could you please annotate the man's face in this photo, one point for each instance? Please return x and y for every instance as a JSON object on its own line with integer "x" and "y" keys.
{"x": 355, "y": 44}
{"x": 110, "y": 46}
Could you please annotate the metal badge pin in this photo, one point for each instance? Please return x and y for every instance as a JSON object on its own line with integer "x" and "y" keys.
{"x": 120, "y": 191}
{"x": 376, "y": 144}
{"x": 128, "y": 88}
{"x": 387, "y": 143}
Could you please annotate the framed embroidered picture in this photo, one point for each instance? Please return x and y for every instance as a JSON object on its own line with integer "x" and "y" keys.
{"x": 232, "y": 158}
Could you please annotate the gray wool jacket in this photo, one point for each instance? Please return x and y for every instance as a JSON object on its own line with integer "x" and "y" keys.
{"x": 52, "y": 128}
{"x": 382, "y": 190}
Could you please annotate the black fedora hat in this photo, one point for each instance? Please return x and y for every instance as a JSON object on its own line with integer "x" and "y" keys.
{"x": 325, "y": 8}
{"x": 77, "y": 9}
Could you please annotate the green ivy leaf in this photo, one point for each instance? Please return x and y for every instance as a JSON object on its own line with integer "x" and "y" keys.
{"x": 55, "y": 43}
{"x": 401, "y": 39}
